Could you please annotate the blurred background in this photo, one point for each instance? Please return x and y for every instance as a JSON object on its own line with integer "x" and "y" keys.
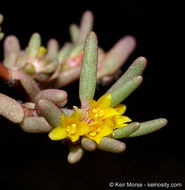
{"x": 33, "y": 161}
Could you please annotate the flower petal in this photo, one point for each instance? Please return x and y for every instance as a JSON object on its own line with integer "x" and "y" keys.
{"x": 83, "y": 129}
{"x": 109, "y": 113}
{"x": 58, "y": 133}
{"x": 120, "y": 108}
{"x": 106, "y": 130}
{"x": 74, "y": 137}
{"x": 121, "y": 120}
{"x": 105, "y": 101}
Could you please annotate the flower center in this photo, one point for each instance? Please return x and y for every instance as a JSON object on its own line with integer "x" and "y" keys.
{"x": 98, "y": 112}
{"x": 94, "y": 131}
{"x": 71, "y": 129}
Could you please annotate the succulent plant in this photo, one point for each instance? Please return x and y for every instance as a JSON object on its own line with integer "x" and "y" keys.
{"x": 96, "y": 124}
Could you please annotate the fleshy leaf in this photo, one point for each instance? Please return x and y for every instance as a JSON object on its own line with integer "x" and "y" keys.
{"x": 74, "y": 32}
{"x": 88, "y": 144}
{"x": 67, "y": 112}
{"x": 75, "y": 154}
{"x": 149, "y": 127}
{"x": 34, "y": 45}
{"x": 1, "y": 18}
{"x": 11, "y": 51}
{"x": 117, "y": 56}
{"x": 125, "y": 131}
{"x": 52, "y": 48}
{"x": 35, "y": 125}
{"x": 11, "y": 46}
{"x": 86, "y": 25}
{"x": 67, "y": 77}
{"x": 64, "y": 51}
{"x": 89, "y": 70}
{"x": 29, "y": 85}
{"x": 11, "y": 109}
{"x": 111, "y": 145}
{"x": 120, "y": 91}
{"x": 54, "y": 95}
{"x": 50, "y": 112}
{"x": 136, "y": 69}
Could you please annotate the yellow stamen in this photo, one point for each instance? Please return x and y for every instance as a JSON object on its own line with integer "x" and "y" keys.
{"x": 41, "y": 51}
{"x": 71, "y": 129}
{"x": 93, "y": 134}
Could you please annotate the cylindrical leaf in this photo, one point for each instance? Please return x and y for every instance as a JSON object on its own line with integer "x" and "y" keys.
{"x": 136, "y": 69}
{"x": 54, "y": 95}
{"x": 75, "y": 154}
{"x": 34, "y": 45}
{"x": 1, "y": 18}
{"x": 29, "y": 85}
{"x": 11, "y": 46}
{"x": 64, "y": 51}
{"x": 67, "y": 112}
{"x": 50, "y": 112}
{"x": 86, "y": 25}
{"x": 11, "y": 109}
{"x": 10, "y": 61}
{"x": 35, "y": 125}
{"x": 111, "y": 145}
{"x": 117, "y": 56}
{"x": 125, "y": 131}
{"x": 67, "y": 77}
{"x": 74, "y": 32}
{"x": 120, "y": 91}
{"x": 149, "y": 127}
{"x": 52, "y": 48}
{"x": 89, "y": 69}
{"x": 88, "y": 144}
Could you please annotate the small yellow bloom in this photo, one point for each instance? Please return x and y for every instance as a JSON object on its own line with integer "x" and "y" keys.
{"x": 98, "y": 130}
{"x": 41, "y": 51}
{"x": 104, "y": 118}
{"x": 71, "y": 127}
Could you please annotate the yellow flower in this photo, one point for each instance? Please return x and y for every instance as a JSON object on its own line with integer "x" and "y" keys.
{"x": 100, "y": 121}
{"x": 99, "y": 129}
{"x": 104, "y": 118}
{"x": 71, "y": 127}
{"x": 41, "y": 51}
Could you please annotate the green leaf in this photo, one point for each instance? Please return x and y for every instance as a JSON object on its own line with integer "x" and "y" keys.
{"x": 11, "y": 109}
{"x": 74, "y": 32}
{"x": 89, "y": 69}
{"x": 11, "y": 46}
{"x": 117, "y": 56}
{"x": 29, "y": 85}
{"x": 66, "y": 77}
{"x": 34, "y": 45}
{"x": 1, "y": 35}
{"x": 1, "y": 18}
{"x": 54, "y": 95}
{"x": 64, "y": 51}
{"x": 149, "y": 127}
{"x": 35, "y": 125}
{"x": 120, "y": 91}
{"x": 75, "y": 154}
{"x": 52, "y": 48}
{"x": 125, "y": 131}
{"x": 50, "y": 112}
{"x": 86, "y": 25}
{"x": 111, "y": 145}
{"x": 88, "y": 144}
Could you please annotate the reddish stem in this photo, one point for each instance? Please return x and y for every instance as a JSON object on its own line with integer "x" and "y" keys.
{"x": 4, "y": 72}
{"x": 28, "y": 112}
